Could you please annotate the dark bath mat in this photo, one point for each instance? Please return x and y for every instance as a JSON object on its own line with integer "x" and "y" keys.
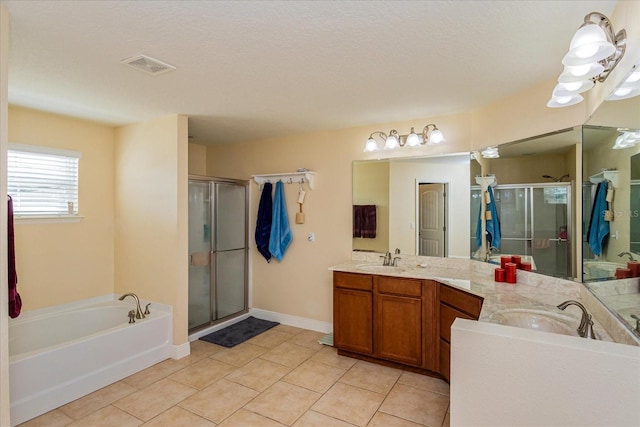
{"x": 239, "y": 332}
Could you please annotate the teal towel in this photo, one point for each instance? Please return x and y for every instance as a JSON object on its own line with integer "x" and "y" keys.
{"x": 280, "y": 232}
{"x": 492, "y": 225}
{"x": 598, "y": 232}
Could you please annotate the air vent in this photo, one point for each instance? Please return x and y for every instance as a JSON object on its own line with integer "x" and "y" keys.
{"x": 148, "y": 65}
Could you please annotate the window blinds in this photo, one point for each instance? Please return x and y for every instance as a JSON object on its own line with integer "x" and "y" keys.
{"x": 42, "y": 181}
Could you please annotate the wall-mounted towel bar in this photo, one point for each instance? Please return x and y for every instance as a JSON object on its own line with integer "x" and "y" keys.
{"x": 287, "y": 178}
{"x": 611, "y": 175}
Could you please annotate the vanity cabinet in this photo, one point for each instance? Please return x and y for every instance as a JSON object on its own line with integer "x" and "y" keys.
{"x": 386, "y": 318}
{"x": 398, "y": 321}
{"x": 454, "y": 303}
{"x": 353, "y": 312}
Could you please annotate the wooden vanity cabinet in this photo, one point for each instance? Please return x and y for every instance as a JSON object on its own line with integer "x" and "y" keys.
{"x": 454, "y": 303}
{"x": 386, "y": 318}
{"x": 353, "y": 312}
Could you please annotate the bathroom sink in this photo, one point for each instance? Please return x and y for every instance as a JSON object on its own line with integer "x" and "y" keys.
{"x": 594, "y": 270}
{"x": 538, "y": 320}
{"x": 377, "y": 268}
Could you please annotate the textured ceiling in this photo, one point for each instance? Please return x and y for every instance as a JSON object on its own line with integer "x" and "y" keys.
{"x": 253, "y": 69}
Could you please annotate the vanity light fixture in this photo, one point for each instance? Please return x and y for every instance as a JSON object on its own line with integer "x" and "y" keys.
{"x": 430, "y": 135}
{"x": 629, "y": 88}
{"x": 594, "y": 52}
{"x": 627, "y": 139}
{"x": 490, "y": 153}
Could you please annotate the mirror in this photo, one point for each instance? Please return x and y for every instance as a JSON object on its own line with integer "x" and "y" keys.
{"x": 599, "y": 138}
{"x": 534, "y": 189}
{"x": 391, "y": 196}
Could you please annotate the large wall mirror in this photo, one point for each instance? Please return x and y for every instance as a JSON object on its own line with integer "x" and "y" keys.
{"x": 534, "y": 185}
{"x": 409, "y": 204}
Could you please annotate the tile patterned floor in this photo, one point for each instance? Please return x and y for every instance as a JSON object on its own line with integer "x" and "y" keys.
{"x": 282, "y": 377}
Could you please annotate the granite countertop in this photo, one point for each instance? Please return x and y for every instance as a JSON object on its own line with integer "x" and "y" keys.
{"x": 531, "y": 292}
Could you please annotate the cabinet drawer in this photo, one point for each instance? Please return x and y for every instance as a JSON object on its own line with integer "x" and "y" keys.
{"x": 395, "y": 286}
{"x": 463, "y": 301}
{"x": 447, "y": 317}
{"x": 362, "y": 282}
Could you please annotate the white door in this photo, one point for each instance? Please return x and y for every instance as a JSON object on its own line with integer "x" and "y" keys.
{"x": 432, "y": 220}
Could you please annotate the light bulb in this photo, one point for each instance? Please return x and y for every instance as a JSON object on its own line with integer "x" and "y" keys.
{"x": 391, "y": 142}
{"x": 623, "y": 91}
{"x": 436, "y": 137}
{"x": 589, "y": 44}
{"x": 633, "y": 77}
{"x": 563, "y": 99}
{"x": 572, "y": 87}
{"x": 371, "y": 145}
{"x": 413, "y": 140}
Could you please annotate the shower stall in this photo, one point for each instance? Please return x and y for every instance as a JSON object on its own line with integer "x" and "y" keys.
{"x": 218, "y": 250}
{"x": 535, "y": 220}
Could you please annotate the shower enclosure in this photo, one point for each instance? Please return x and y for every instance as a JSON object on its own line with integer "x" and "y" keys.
{"x": 535, "y": 220}
{"x": 218, "y": 250}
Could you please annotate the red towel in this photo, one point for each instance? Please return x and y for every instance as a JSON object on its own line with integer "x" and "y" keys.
{"x": 15, "y": 303}
{"x": 364, "y": 221}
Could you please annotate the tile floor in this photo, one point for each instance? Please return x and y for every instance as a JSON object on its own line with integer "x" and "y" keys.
{"x": 282, "y": 377}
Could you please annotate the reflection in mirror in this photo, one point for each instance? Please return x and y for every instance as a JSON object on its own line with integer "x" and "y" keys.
{"x": 598, "y": 157}
{"x": 407, "y": 204}
{"x": 534, "y": 193}
{"x": 634, "y": 215}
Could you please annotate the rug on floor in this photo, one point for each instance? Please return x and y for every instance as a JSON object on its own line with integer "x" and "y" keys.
{"x": 239, "y": 332}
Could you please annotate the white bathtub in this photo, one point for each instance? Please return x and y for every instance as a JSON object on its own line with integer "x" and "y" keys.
{"x": 62, "y": 353}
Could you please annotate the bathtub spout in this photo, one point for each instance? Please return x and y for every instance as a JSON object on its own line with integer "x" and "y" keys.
{"x": 139, "y": 313}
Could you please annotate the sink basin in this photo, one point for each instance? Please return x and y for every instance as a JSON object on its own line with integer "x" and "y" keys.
{"x": 377, "y": 268}
{"x": 594, "y": 270}
{"x": 538, "y": 320}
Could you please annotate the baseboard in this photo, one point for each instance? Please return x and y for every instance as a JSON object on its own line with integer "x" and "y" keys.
{"x": 180, "y": 351}
{"x": 287, "y": 319}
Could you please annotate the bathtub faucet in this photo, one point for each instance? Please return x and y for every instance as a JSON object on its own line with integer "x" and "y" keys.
{"x": 139, "y": 313}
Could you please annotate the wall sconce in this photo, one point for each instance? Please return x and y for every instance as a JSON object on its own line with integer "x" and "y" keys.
{"x": 627, "y": 139}
{"x": 594, "y": 52}
{"x": 428, "y": 136}
{"x": 490, "y": 153}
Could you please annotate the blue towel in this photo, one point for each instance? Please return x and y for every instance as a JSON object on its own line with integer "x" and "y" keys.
{"x": 492, "y": 225}
{"x": 598, "y": 232}
{"x": 280, "y": 232}
{"x": 263, "y": 223}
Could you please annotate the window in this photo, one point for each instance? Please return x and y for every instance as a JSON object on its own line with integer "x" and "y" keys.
{"x": 42, "y": 181}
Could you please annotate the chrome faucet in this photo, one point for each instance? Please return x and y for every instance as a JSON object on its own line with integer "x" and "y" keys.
{"x": 139, "y": 313}
{"x": 627, "y": 254}
{"x": 585, "y": 329}
{"x": 387, "y": 259}
{"x": 637, "y": 322}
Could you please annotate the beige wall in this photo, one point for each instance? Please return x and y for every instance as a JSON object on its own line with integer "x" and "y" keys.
{"x": 197, "y": 159}
{"x": 63, "y": 262}
{"x": 371, "y": 187}
{"x": 151, "y": 164}
{"x": 4, "y": 312}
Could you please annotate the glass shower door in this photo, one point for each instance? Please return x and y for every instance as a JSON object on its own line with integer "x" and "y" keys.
{"x": 514, "y": 211}
{"x": 199, "y": 253}
{"x": 551, "y": 244}
{"x": 230, "y": 250}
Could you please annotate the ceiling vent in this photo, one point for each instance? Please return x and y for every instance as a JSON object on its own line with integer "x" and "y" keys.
{"x": 148, "y": 65}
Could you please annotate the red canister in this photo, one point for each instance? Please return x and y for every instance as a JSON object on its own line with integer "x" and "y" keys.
{"x": 504, "y": 259}
{"x": 499, "y": 274}
{"x": 634, "y": 266}
{"x": 517, "y": 260}
{"x": 623, "y": 273}
{"x": 511, "y": 271}
{"x": 526, "y": 266}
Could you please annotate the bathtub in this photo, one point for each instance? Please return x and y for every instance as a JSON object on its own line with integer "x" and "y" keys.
{"x": 62, "y": 353}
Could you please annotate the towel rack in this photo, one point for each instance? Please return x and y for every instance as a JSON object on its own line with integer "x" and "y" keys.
{"x": 287, "y": 178}
{"x": 611, "y": 175}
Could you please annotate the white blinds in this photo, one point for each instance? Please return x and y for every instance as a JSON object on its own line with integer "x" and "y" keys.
{"x": 42, "y": 181}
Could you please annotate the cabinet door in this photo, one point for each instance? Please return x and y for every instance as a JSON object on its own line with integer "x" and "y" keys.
{"x": 352, "y": 320}
{"x": 398, "y": 329}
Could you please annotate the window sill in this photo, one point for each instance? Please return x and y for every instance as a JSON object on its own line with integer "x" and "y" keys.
{"x": 47, "y": 219}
